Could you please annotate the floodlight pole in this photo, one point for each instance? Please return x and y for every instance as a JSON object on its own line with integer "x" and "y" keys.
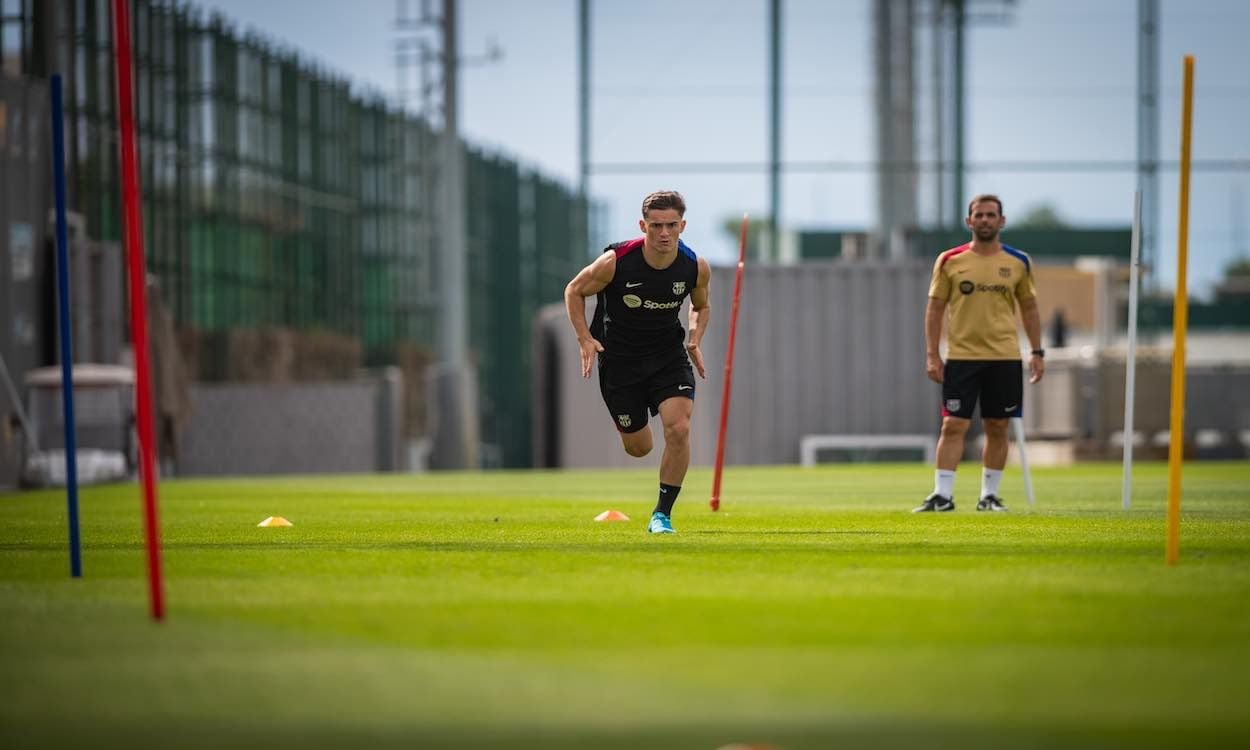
{"x": 774, "y": 132}
{"x": 583, "y": 100}
{"x": 1148, "y": 130}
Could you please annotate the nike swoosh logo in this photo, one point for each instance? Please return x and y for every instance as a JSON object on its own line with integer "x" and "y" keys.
{"x": 631, "y": 285}
{"x": 1012, "y": 407}
{"x": 683, "y": 387}
{"x": 963, "y": 271}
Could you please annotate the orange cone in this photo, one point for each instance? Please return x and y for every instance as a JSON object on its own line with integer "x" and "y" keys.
{"x": 611, "y": 515}
{"x": 275, "y": 521}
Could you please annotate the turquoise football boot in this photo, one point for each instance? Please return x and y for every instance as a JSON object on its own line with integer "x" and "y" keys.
{"x": 660, "y": 524}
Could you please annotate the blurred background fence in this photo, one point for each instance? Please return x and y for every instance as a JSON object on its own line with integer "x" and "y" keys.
{"x": 284, "y": 212}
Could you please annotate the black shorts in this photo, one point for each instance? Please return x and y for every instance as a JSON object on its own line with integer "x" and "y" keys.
{"x": 631, "y": 388}
{"x": 999, "y": 384}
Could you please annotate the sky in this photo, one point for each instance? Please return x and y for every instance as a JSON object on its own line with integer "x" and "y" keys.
{"x": 686, "y": 81}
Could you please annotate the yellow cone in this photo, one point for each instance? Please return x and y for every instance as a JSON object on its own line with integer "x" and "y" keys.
{"x": 275, "y": 521}
{"x": 611, "y": 515}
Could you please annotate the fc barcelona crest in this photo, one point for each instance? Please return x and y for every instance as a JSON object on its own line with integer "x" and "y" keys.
{"x": 1005, "y": 273}
{"x": 623, "y": 420}
{"x": 679, "y": 287}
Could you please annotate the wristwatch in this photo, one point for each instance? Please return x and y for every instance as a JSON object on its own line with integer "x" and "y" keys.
{"x": 1039, "y": 352}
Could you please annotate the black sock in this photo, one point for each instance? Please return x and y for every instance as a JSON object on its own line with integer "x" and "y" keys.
{"x": 668, "y": 496}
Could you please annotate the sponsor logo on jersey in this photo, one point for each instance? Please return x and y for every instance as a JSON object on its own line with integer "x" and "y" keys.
{"x": 649, "y": 305}
{"x": 999, "y": 288}
{"x": 632, "y": 300}
{"x": 968, "y": 287}
{"x": 679, "y": 287}
{"x": 623, "y": 420}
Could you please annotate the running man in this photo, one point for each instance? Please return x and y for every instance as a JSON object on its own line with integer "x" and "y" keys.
{"x": 644, "y": 355}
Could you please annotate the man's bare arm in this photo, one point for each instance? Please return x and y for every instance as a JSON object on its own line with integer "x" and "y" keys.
{"x": 934, "y": 315}
{"x": 589, "y": 281}
{"x": 1032, "y": 320}
{"x": 700, "y": 315}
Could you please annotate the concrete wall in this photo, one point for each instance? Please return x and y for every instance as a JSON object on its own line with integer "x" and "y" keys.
{"x": 295, "y": 428}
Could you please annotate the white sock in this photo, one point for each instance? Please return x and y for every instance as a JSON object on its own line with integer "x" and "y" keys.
{"x": 989, "y": 481}
{"x": 944, "y": 483}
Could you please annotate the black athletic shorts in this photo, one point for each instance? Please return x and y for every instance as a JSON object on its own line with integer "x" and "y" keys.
{"x": 999, "y": 384}
{"x": 633, "y": 387}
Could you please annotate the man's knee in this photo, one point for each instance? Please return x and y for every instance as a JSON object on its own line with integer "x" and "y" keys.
{"x": 636, "y": 450}
{"x": 954, "y": 427}
{"x": 637, "y": 444}
{"x": 996, "y": 428}
{"x": 677, "y": 432}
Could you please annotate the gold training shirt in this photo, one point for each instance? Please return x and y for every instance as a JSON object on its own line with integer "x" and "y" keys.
{"x": 980, "y": 292}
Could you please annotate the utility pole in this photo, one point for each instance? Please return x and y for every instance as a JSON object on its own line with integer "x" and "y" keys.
{"x": 773, "y": 252}
{"x": 961, "y": 105}
{"x": 939, "y": 112}
{"x": 452, "y": 382}
{"x": 894, "y": 97}
{"x": 583, "y": 126}
{"x": 951, "y": 19}
{"x": 1148, "y": 132}
{"x": 583, "y": 99}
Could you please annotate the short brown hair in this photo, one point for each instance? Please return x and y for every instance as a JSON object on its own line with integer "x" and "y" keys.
{"x": 985, "y": 197}
{"x": 664, "y": 199}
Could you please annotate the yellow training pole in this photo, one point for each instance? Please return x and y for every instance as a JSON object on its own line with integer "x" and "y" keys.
{"x": 1180, "y": 322}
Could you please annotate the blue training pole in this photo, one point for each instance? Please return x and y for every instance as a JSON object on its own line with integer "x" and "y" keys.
{"x": 67, "y": 357}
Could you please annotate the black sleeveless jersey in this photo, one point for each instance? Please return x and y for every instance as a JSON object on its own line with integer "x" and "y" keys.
{"x": 637, "y": 313}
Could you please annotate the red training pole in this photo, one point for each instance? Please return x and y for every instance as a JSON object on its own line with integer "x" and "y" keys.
{"x": 132, "y": 224}
{"x": 729, "y": 367}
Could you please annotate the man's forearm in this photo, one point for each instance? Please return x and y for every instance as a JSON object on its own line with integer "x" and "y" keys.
{"x": 699, "y": 319}
{"x": 1032, "y": 325}
{"x": 933, "y": 326}
{"x": 575, "y": 307}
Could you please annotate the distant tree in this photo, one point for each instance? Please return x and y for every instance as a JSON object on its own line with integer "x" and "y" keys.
{"x": 1239, "y": 268}
{"x": 1236, "y": 284}
{"x": 1041, "y": 216}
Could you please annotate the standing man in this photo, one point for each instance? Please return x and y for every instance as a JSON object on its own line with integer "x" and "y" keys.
{"x": 978, "y": 285}
{"x": 644, "y": 356}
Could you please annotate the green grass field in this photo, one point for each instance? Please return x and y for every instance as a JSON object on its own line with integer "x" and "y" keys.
{"x": 483, "y": 610}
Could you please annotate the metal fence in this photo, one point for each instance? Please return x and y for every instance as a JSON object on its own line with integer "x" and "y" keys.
{"x": 276, "y": 196}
